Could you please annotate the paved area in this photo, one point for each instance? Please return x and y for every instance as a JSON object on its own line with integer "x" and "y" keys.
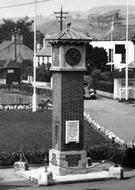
{"x": 9, "y": 181}
{"x": 113, "y": 115}
{"x": 34, "y": 173}
{"x": 128, "y": 184}
{"x": 8, "y": 175}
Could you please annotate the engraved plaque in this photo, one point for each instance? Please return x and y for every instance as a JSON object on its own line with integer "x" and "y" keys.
{"x": 72, "y": 131}
{"x": 73, "y": 160}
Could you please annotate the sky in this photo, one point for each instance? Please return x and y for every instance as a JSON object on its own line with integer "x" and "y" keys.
{"x": 48, "y": 7}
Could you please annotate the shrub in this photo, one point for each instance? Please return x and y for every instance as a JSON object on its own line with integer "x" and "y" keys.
{"x": 106, "y": 151}
{"x": 129, "y": 159}
{"x": 8, "y": 159}
{"x": 115, "y": 153}
{"x": 110, "y": 152}
{"x": 105, "y": 86}
{"x": 44, "y": 104}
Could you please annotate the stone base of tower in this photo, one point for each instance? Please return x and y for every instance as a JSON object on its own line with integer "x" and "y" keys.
{"x": 67, "y": 162}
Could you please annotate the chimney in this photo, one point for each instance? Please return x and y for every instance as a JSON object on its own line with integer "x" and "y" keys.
{"x": 19, "y": 39}
{"x": 44, "y": 43}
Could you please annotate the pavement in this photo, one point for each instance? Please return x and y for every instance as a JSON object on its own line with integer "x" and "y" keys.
{"x": 8, "y": 175}
{"x": 98, "y": 173}
{"x": 33, "y": 175}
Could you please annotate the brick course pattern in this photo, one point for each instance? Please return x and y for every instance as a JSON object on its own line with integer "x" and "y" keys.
{"x": 67, "y": 105}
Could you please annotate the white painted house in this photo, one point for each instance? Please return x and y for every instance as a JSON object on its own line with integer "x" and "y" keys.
{"x": 44, "y": 54}
{"x": 119, "y": 52}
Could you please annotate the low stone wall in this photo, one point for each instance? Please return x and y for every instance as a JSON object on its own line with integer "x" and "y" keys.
{"x": 13, "y": 99}
{"x": 105, "y": 94}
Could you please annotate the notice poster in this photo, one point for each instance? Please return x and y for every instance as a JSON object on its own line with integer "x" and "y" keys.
{"x": 72, "y": 131}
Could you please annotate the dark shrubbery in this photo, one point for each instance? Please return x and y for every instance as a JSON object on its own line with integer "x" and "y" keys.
{"x": 101, "y": 81}
{"x": 129, "y": 159}
{"x": 45, "y": 104}
{"x": 26, "y": 89}
{"x": 109, "y": 152}
{"x": 106, "y": 151}
{"x": 35, "y": 158}
{"x": 8, "y": 159}
{"x": 105, "y": 86}
{"x": 115, "y": 153}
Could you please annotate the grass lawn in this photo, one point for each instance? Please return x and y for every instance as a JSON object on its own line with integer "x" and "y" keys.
{"x": 27, "y": 129}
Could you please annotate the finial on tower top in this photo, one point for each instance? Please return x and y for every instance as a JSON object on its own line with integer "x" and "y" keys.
{"x": 68, "y": 25}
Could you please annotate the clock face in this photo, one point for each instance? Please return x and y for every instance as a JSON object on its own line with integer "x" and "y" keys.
{"x": 73, "y": 56}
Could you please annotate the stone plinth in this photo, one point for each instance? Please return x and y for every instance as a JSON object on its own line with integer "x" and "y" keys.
{"x": 116, "y": 172}
{"x": 67, "y": 162}
{"x": 21, "y": 166}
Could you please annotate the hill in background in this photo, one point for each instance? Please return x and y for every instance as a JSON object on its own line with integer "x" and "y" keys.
{"x": 92, "y": 23}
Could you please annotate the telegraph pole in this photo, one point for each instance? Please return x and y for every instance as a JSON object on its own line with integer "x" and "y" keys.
{"x": 61, "y": 17}
{"x": 15, "y": 42}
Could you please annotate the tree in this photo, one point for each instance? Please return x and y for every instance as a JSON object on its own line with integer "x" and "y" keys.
{"x": 26, "y": 68}
{"x": 24, "y": 27}
{"x": 89, "y": 63}
{"x": 43, "y": 73}
{"x": 96, "y": 58}
{"x": 40, "y": 37}
{"x": 6, "y": 29}
{"x": 95, "y": 76}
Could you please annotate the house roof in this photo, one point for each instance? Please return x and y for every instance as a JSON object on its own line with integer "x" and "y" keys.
{"x": 46, "y": 52}
{"x": 131, "y": 65}
{"x": 2, "y": 63}
{"x": 69, "y": 35}
{"x": 12, "y": 64}
{"x": 5, "y": 44}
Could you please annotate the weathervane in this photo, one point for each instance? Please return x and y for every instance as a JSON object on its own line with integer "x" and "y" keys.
{"x": 61, "y": 17}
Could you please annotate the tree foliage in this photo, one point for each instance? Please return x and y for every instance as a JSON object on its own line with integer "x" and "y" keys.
{"x": 96, "y": 58}
{"x": 26, "y": 68}
{"x": 6, "y": 29}
{"x": 43, "y": 73}
{"x": 23, "y": 27}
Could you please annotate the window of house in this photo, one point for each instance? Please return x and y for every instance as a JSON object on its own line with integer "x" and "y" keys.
{"x": 110, "y": 57}
{"x": 120, "y": 49}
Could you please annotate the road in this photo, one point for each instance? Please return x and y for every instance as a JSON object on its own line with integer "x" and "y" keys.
{"x": 126, "y": 184}
{"x": 113, "y": 115}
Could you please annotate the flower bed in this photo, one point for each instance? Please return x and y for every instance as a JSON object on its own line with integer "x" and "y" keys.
{"x": 47, "y": 106}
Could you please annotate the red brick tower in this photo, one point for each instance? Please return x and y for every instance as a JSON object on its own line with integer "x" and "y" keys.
{"x": 68, "y": 65}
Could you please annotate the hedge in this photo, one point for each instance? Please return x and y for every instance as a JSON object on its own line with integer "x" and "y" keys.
{"x": 26, "y": 89}
{"x": 105, "y": 86}
{"x": 110, "y": 152}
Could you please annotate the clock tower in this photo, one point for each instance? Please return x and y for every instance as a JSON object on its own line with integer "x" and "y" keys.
{"x": 68, "y": 66}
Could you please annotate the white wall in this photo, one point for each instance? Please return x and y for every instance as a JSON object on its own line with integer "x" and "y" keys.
{"x": 117, "y": 85}
{"x": 117, "y": 57}
{"x": 44, "y": 60}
